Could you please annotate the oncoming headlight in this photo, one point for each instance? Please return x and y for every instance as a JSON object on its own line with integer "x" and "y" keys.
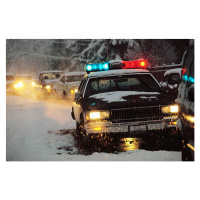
{"x": 19, "y": 85}
{"x": 95, "y": 115}
{"x": 170, "y": 109}
{"x": 48, "y": 87}
{"x": 33, "y": 84}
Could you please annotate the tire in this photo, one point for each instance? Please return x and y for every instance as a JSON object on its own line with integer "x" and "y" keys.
{"x": 78, "y": 129}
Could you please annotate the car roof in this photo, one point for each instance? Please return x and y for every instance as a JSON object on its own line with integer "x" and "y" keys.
{"x": 50, "y": 71}
{"x": 116, "y": 72}
{"x": 174, "y": 71}
{"x": 73, "y": 74}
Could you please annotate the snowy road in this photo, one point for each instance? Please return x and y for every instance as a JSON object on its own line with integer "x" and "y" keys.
{"x": 44, "y": 131}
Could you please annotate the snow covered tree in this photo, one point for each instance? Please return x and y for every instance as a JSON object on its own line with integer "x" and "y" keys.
{"x": 156, "y": 51}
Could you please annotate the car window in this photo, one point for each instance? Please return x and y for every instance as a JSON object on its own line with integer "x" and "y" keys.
{"x": 73, "y": 78}
{"x": 62, "y": 79}
{"x": 53, "y": 75}
{"x": 139, "y": 82}
{"x": 188, "y": 65}
{"x": 174, "y": 79}
{"x": 166, "y": 78}
{"x": 82, "y": 86}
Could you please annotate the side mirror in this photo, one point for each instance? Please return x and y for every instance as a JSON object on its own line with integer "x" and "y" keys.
{"x": 164, "y": 85}
{"x": 78, "y": 95}
{"x": 191, "y": 94}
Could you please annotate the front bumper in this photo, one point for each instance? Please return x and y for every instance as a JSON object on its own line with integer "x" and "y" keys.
{"x": 131, "y": 127}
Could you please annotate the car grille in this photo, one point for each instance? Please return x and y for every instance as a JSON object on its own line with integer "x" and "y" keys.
{"x": 136, "y": 114}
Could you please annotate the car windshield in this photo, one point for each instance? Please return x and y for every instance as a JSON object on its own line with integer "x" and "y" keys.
{"x": 10, "y": 78}
{"x": 139, "y": 82}
{"x": 53, "y": 75}
{"x": 74, "y": 78}
{"x": 23, "y": 77}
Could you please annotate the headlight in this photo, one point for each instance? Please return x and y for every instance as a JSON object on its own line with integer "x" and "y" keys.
{"x": 48, "y": 87}
{"x": 74, "y": 91}
{"x": 19, "y": 85}
{"x": 170, "y": 109}
{"x": 33, "y": 84}
{"x": 95, "y": 115}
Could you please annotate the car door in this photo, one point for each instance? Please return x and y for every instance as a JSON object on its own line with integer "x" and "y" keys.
{"x": 76, "y": 104}
{"x": 61, "y": 83}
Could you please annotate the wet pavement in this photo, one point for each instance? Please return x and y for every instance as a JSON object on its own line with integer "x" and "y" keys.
{"x": 118, "y": 143}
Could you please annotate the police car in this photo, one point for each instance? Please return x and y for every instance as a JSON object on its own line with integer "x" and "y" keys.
{"x": 122, "y": 97}
{"x": 186, "y": 102}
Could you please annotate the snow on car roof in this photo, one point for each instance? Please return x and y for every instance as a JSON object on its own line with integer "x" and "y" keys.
{"x": 73, "y": 73}
{"x": 176, "y": 70}
{"x": 116, "y": 72}
{"x": 50, "y": 71}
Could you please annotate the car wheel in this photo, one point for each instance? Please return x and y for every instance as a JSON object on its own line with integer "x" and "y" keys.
{"x": 78, "y": 129}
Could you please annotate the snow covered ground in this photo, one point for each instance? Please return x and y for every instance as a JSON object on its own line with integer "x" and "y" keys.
{"x": 37, "y": 131}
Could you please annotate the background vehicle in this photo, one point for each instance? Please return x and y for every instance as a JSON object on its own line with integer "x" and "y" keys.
{"x": 24, "y": 84}
{"x": 47, "y": 79}
{"x": 10, "y": 80}
{"x": 68, "y": 83}
{"x": 128, "y": 101}
{"x": 186, "y": 103}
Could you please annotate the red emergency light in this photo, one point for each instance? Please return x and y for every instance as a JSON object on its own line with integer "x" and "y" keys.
{"x": 134, "y": 64}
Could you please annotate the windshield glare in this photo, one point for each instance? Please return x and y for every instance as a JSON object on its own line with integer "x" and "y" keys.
{"x": 140, "y": 82}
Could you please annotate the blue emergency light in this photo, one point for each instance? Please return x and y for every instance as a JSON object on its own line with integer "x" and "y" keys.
{"x": 190, "y": 79}
{"x": 93, "y": 67}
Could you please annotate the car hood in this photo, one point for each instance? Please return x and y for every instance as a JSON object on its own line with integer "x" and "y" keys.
{"x": 126, "y": 99}
{"x": 73, "y": 84}
{"x": 49, "y": 82}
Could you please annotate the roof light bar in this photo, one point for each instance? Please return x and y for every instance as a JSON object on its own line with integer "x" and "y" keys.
{"x": 116, "y": 64}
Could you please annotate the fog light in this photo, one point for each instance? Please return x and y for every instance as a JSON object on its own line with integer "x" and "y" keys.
{"x": 97, "y": 129}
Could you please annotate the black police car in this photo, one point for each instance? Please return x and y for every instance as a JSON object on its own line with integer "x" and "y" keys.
{"x": 186, "y": 104}
{"x": 120, "y": 99}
